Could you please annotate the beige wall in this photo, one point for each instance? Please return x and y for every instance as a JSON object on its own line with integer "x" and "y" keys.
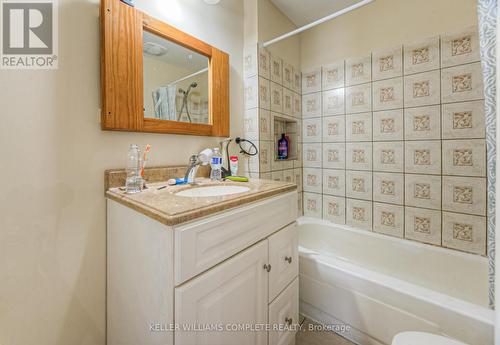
{"x": 52, "y": 208}
{"x": 382, "y": 24}
{"x": 273, "y": 23}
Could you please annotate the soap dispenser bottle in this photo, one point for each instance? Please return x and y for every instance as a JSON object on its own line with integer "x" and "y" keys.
{"x": 283, "y": 147}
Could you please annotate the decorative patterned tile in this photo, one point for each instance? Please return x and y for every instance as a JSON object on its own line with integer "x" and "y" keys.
{"x": 287, "y": 75}
{"x": 423, "y": 191}
{"x": 312, "y": 155}
{"x": 333, "y": 75}
{"x": 358, "y": 70}
{"x": 359, "y": 214}
{"x": 297, "y": 105}
{"x": 264, "y": 93}
{"x": 358, "y": 127}
{"x": 312, "y": 180}
{"x": 264, "y": 124}
{"x": 300, "y": 204}
{"x": 251, "y": 165}
{"x": 421, "y": 56}
{"x": 265, "y": 176}
{"x": 358, "y": 184}
{"x": 359, "y": 156}
{"x": 297, "y": 179}
{"x": 311, "y": 105}
{"x": 264, "y": 63}
{"x": 459, "y": 48}
{"x": 423, "y": 225}
{"x": 422, "y": 89}
{"x": 358, "y": 99}
{"x": 251, "y": 124}
{"x": 334, "y": 155}
{"x": 311, "y": 130}
{"x": 287, "y": 102}
{"x": 463, "y": 120}
{"x": 297, "y": 80}
{"x": 388, "y": 125}
{"x": 277, "y": 70}
{"x": 250, "y": 61}
{"x": 334, "y": 182}
{"x": 276, "y": 97}
{"x": 388, "y": 188}
{"x": 388, "y": 219}
{"x": 333, "y": 102}
{"x": 298, "y": 163}
{"x": 311, "y": 81}
{"x": 464, "y": 195}
{"x": 265, "y": 156}
{"x": 251, "y": 93}
{"x": 387, "y": 63}
{"x": 334, "y": 209}
{"x": 464, "y": 157}
{"x": 334, "y": 129}
{"x": 423, "y": 123}
{"x": 289, "y": 176}
{"x": 299, "y": 134}
{"x": 462, "y": 83}
{"x": 464, "y": 232}
{"x": 423, "y": 157}
{"x": 388, "y": 156}
{"x": 277, "y": 176}
{"x": 313, "y": 205}
{"x": 388, "y": 94}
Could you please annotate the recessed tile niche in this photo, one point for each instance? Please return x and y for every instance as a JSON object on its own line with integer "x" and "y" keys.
{"x": 394, "y": 142}
{"x": 273, "y": 105}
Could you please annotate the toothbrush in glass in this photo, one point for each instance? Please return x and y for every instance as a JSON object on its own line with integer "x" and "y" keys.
{"x": 144, "y": 159}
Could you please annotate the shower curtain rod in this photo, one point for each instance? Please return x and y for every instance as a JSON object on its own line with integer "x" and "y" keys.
{"x": 317, "y": 22}
{"x": 189, "y": 76}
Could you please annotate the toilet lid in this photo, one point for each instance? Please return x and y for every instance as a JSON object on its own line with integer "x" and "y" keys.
{"x": 421, "y": 338}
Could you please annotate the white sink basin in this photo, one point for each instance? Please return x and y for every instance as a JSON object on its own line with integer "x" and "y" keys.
{"x": 212, "y": 191}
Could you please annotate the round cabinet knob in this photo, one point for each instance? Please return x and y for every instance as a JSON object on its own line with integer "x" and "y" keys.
{"x": 289, "y": 321}
{"x": 288, "y": 259}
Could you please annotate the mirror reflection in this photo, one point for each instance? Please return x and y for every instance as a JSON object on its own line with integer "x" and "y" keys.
{"x": 175, "y": 81}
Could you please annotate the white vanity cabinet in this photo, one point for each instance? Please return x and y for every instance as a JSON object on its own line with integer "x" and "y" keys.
{"x": 219, "y": 280}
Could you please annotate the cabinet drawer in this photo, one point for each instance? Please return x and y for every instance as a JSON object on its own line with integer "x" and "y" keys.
{"x": 284, "y": 316}
{"x": 284, "y": 259}
{"x": 203, "y": 244}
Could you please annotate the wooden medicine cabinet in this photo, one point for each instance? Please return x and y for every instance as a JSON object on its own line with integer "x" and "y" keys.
{"x": 156, "y": 78}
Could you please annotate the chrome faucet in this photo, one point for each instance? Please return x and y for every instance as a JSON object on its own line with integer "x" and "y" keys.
{"x": 194, "y": 164}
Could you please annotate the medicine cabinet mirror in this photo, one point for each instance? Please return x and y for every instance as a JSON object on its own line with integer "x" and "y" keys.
{"x": 156, "y": 78}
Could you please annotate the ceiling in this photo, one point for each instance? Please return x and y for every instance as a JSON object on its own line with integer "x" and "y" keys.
{"x": 175, "y": 54}
{"x": 303, "y": 12}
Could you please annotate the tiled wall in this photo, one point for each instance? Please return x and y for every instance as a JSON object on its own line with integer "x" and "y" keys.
{"x": 394, "y": 142}
{"x": 273, "y": 106}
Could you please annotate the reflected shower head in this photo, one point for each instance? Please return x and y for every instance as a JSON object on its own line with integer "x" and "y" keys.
{"x": 194, "y": 84}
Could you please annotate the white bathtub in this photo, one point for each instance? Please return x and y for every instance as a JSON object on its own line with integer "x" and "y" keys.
{"x": 380, "y": 286}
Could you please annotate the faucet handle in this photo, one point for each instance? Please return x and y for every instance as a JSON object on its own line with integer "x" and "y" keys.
{"x": 193, "y": 159}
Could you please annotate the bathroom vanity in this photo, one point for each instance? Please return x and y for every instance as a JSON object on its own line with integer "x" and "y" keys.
{"x": 198, "y": 269}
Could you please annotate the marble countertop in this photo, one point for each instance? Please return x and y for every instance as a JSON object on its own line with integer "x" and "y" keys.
{"x": 170, "y": 209}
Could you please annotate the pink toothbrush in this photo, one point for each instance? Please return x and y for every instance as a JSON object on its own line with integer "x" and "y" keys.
{"x": 144, "y": 159}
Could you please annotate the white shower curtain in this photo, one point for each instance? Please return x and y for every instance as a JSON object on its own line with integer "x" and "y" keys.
{"x": 164, "y": 102}
{"x": 487, "y": 12}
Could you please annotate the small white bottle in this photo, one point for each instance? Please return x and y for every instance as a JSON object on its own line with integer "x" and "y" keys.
{"x": 216, "y": 165}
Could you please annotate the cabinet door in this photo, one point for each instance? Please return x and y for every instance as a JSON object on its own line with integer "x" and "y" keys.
{"x": 284, "y": 259}
{"x": 233, "y": 293}
{"x": 284, "y": 316}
